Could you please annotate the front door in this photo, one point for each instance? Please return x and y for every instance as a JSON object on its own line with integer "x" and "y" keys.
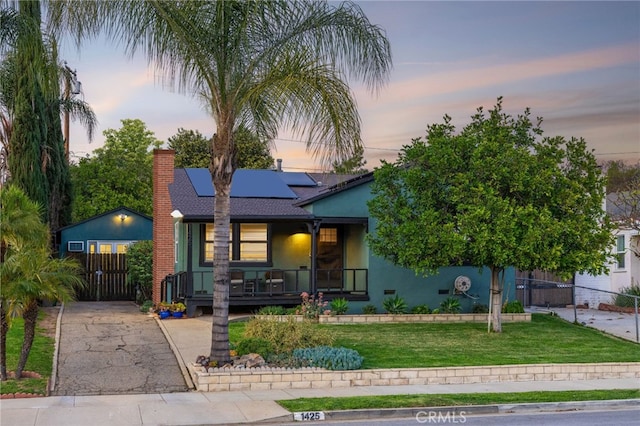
{"x": 329, "y": 259}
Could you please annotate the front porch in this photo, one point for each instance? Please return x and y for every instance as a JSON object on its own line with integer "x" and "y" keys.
{"x": 258, "y": 287}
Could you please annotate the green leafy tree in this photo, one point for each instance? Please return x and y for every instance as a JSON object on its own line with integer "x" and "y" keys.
{"x": 259, "y": 64}
{"x": 28, "y": 272}
{"x": 353, "y": 165}
{"x": 496, "y": 194}
{"x": 30, "y": 107}
{"x": 140, "y": 265}
{"x": 194, "y": 150}
{"x": 621, "y": 176}
{"x": 118, "y": 174}
{"x": 251, "y": 151}
{"x": 29, "y": 128}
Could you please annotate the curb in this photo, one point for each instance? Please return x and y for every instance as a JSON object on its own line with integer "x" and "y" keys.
{"x": 413, "y": 412}
{"x": 56, "y": 352}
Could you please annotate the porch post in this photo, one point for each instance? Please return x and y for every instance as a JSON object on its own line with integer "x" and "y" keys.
{"x": 189, "y": 288}
{"x": 314, "y": 228}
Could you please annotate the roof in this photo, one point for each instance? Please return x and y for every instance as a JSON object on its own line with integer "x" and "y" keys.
{"x": 194, "y": 207}
{"x": 144, "y": 216}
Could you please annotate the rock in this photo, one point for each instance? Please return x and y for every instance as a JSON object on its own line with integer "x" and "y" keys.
{"x": 251, "y": 361}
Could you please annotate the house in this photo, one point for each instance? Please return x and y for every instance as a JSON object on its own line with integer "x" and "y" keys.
{"x": 109, "y": 232}
{"x": 289, "y": 233}
{"x": 624, "y": 268}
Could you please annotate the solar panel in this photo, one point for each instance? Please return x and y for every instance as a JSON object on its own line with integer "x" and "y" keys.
{"x": 245, "y": 183}
{"x": 297, "y": 179}
{"x": 259, "y": 184}
{"x": 201, "y": 181}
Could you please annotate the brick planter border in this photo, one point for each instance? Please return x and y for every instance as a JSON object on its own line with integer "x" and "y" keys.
{"x": 390, "y": 319}
{"x": 310, "y": 378}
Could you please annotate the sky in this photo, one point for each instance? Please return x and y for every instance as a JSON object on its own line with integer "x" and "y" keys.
{"x": 576, "y": 64}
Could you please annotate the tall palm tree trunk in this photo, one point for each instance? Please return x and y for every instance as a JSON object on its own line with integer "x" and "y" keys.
{"x": 221, "y": 169}
{"x": 30, "y": 316}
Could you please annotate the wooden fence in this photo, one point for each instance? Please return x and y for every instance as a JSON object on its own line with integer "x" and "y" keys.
{"x": 540, "y": 288}
{"x": 105, "y": 277}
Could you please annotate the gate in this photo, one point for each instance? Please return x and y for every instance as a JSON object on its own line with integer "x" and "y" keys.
{"x": 540, "y": 288}
{"x": 105, "y": 277}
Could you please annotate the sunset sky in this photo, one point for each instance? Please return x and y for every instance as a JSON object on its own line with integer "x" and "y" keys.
{"x": 577, "y": 64}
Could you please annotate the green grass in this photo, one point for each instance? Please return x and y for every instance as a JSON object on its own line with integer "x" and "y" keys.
{"x": 449, "y": 400}
{"x": 40, "y": 360}
{"x": 546, "y": 339}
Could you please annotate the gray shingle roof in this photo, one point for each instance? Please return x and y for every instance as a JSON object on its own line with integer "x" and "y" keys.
{"x": 184, "y": 198}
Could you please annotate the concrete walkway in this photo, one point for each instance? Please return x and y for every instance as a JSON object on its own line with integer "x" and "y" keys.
{"x": 191, "y": 337}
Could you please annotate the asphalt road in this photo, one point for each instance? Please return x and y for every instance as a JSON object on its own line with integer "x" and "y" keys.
{"x": 572, "y": 418}
{"x": 108, "y": 348}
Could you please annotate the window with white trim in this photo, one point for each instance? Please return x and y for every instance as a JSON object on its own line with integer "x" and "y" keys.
{"x": 621, "y": 252}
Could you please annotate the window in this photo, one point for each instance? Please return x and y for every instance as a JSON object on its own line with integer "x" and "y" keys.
{"x": 248, "y": 242}
{"x": 620, "y": 251}
{"x": 108, "y": 247}
{"x": 328, "y": 235}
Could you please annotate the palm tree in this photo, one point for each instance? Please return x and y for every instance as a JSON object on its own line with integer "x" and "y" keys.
{"x": 28, "y": 272}
{"x": 262, "y": 65}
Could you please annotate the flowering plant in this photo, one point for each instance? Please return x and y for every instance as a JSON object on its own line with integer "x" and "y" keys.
{"x": 311, "y": 307}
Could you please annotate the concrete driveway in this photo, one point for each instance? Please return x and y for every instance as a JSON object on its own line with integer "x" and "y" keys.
{"x": 617, "y": 323}
{"x": 108, "y": 348}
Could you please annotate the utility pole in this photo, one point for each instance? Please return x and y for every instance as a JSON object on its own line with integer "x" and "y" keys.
{"x": 71, "y": 78}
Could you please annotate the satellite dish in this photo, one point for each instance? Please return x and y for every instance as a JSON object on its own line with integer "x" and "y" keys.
{"x": 462, "y": 284}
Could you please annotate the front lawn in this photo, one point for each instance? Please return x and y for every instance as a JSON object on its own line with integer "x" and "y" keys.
{"x": 40, "y": 359}
{"x": 546, "y": 339}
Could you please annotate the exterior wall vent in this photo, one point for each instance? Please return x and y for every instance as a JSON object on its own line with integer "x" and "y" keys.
{"x": 75, "y": 246}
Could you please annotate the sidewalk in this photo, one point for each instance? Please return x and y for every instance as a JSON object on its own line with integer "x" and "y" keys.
{"x": 211, "y": 408}
{"x": 190, "y": 338}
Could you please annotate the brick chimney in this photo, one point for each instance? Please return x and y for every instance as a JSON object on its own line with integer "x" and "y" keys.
{"x": 163, "y": 261}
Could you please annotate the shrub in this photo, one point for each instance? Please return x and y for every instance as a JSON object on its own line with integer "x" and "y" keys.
{"x": 450, "y": 305}
{"x": 513, "y": 307}
{"x": 420, "y": 309}
{"x": 369, "y": 309}
{"x": 285, "y": 336}
{"x": 140, "y": 269}
{"x": 394, "y": 305}
{"x": 624, "y": 300}
{"x": 339, "y": 306}
{"x": 271, "y": 310}
{"x": 292, "y": 311}
{"x": 148, "y": 304}
{"x": 254, "y": 345}
{"x": 330, "y": 358}
{"x": 479, "y": 308}
{"x": 286, "y": 361}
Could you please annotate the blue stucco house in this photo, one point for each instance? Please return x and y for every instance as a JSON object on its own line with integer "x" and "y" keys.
{"x": 290, "y": 232}
{"x": 110, "y": 232}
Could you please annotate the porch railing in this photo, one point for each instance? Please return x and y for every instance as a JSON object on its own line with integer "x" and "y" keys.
{"x": 199, "y": 284}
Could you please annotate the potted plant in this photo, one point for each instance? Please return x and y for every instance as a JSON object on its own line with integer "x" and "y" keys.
{"x": 178, "y": 309}
{"x": 163, "y": 310}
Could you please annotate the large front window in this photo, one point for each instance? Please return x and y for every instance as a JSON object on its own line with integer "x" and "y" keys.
{"x": 248, "y": 242}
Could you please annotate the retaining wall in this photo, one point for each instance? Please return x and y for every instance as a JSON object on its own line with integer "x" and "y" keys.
{"x": 413, "y": 318}
{"x": 308, "y": 378}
